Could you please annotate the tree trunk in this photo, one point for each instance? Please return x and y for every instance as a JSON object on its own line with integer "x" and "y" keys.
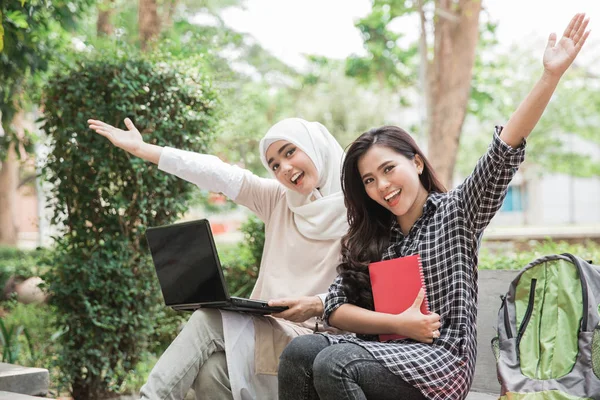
{"x": 456, "y": 33}
{"x": 9, "y": 183}
{"x": 104, "y": 26}
{"x": 169, "y": 8}
{"x": 149, "y": 23}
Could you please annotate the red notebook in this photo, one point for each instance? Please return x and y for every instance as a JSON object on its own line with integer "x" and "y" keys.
{"x": 395, "y": 285}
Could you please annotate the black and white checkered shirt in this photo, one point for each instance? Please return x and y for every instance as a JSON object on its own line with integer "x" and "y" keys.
{"x": 447, "y": 237}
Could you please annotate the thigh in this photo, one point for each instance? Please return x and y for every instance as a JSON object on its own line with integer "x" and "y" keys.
{"x": 302, "y": 350}
{"x": 355, "y": 364}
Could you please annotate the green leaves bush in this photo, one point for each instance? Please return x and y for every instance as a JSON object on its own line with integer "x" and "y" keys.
{"x": 102, "y": 281}
{"x": 242, "y": 262}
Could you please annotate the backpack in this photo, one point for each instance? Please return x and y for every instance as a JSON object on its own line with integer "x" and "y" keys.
{"x": 548, "y": 343}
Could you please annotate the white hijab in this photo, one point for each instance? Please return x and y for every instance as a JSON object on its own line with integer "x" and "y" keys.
{"x": 325, "y": 217}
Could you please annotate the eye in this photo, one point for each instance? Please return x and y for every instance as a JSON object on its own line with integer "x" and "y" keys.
{"x": 275, "y": 167}
{"x": 367, "y": 181}
{"x": 388, "y": 169}
{"x": 290, "y": 152}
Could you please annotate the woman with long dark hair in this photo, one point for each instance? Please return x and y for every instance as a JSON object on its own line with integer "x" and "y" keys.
{"x": 397, "y": 207}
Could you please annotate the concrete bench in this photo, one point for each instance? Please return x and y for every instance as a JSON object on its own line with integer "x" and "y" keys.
{"x": 492, "y": 285}
{"x": 23, "y": 380}
{"x": 17, "y": 396}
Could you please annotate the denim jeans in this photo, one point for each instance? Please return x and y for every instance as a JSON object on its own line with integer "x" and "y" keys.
{"x": 310, "y": 368}
{"x": 196, "y": 359}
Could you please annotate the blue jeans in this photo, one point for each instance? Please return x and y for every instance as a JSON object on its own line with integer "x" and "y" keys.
{"x": 310, "y": 368}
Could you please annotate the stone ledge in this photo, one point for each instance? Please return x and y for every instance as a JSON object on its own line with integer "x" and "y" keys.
{"x": 24, "y": 380}
{"x": 18, "y": 396}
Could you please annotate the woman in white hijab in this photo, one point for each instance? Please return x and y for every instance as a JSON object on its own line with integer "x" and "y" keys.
{"x": 224, "y": 354}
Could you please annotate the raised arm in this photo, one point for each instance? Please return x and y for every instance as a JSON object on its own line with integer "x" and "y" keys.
{"x": 206, "y": 171}
{"x": 557, "y": 59}
{"x": 130, "y": 140}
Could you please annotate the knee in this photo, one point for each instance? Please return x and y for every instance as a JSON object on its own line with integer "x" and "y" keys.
{"x": 302, "y": 350}
{"x": 332, "y": 364}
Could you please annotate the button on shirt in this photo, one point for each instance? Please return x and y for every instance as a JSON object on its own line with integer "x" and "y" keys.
{"x": 447, "y": 237}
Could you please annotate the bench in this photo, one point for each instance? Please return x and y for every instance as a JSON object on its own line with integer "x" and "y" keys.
{"x": 492, "y": 285}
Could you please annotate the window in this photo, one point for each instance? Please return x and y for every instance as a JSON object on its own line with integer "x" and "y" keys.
{"x": 515, "y": 199}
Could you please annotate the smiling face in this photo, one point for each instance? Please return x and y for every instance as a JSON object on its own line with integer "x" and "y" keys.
{"x": 392, "y": 180}
{"x": 292, "y": 167}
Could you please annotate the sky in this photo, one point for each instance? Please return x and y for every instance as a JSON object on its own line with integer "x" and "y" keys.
{"x": 291, "y": 28}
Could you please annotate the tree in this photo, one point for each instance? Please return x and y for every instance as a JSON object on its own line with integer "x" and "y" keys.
{"x": 449, "y": 32}
{"x": 102, "y": 280}
{"x": 344, "y": 106}
{"x": 33, "y": 34}
{"x": 104, "y": 25}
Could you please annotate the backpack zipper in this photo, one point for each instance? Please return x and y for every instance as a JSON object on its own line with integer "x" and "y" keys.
{"x": 527, "y": 315}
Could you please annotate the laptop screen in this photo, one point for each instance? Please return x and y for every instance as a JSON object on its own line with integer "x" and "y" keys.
{"x": 186, "y": 264}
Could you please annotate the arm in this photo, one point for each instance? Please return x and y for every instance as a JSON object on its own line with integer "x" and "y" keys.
{"x": 349, "y": 317}
{"x": 557, "y": 59}
{"x": 206, "y": 171}
{"x": 483, "y": 192}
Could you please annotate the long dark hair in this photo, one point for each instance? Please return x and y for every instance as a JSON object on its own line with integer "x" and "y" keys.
{"x": 370, "y": 223}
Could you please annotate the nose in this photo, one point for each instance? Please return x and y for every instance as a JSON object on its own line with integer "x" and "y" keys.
{"x": 383, "y": 185}
{"x": 286, "y": 168}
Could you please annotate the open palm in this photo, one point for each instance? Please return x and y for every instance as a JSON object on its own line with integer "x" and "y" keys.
{"x": 559, "y": 56}
{"x": 129, "y": 140}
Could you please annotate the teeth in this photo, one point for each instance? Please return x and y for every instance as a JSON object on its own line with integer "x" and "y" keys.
{"x": 389, "y": 196}
{"x": 296, "y": 176}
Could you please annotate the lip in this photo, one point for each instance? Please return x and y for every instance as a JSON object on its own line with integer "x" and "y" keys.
{"x": 299, "y": 180}
{"x": 395, "y": 201}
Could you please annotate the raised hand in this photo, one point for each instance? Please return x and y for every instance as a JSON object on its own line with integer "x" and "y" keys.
{"x": 559, "y": 56}
{"x": 129, "y": 140}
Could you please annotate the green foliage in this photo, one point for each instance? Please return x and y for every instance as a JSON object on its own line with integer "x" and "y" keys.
{"x": 102, "y": 281}
{"x": 242, "y": 262}
{"x": 346, "y": 107}
{"x": 571, "y": 118}
{"x": 9, "y": 339}
{"x": 36, "y": 344}
{"x": 33, "y": 32}
{"x": 386, "y": 63}
{"x": 518, "y": 259}
{"x": 24, "y": 263}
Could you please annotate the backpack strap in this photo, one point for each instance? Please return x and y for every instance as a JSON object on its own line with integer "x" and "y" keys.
{"x": 584, "y": 289}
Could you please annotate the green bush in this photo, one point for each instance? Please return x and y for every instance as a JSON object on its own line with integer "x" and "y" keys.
{"x": 102, "y": 281}
{"x": 518, "y": 259}
{"x": 242, "y": 262}
{"x": 17, "y": 262}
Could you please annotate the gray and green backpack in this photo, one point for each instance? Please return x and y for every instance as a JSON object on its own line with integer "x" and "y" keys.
{"x": 548, "y": 343}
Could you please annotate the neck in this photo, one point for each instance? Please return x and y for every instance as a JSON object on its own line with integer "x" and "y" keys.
{"x": 407, "y": 220}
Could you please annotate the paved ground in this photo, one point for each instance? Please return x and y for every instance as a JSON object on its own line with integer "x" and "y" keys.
{"x": 481, "y": 396}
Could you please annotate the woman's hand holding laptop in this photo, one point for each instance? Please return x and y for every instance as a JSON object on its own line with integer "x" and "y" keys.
{"x": 299, "y": 308}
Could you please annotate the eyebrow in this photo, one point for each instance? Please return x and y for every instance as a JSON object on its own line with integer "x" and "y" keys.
{"x": 382, "y": 166}
{"x": 281, "y": 149}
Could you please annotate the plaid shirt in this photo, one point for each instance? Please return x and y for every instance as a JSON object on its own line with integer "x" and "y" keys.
{"x": 447, "y": 237}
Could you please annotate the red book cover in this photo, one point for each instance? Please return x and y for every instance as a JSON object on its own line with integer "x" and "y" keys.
{"x": 395, "y": 285}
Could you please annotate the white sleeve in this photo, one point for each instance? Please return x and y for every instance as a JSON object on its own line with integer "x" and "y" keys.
{"x": 206, "y": 171}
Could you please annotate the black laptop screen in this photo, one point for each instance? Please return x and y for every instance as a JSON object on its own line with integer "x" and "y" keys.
{"x": 185, "y": 263}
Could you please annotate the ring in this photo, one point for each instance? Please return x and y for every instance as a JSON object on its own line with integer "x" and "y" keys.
{"x": 435, "y": 334}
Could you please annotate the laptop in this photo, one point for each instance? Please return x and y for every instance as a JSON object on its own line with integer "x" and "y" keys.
{"x": 189, "y": 271}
